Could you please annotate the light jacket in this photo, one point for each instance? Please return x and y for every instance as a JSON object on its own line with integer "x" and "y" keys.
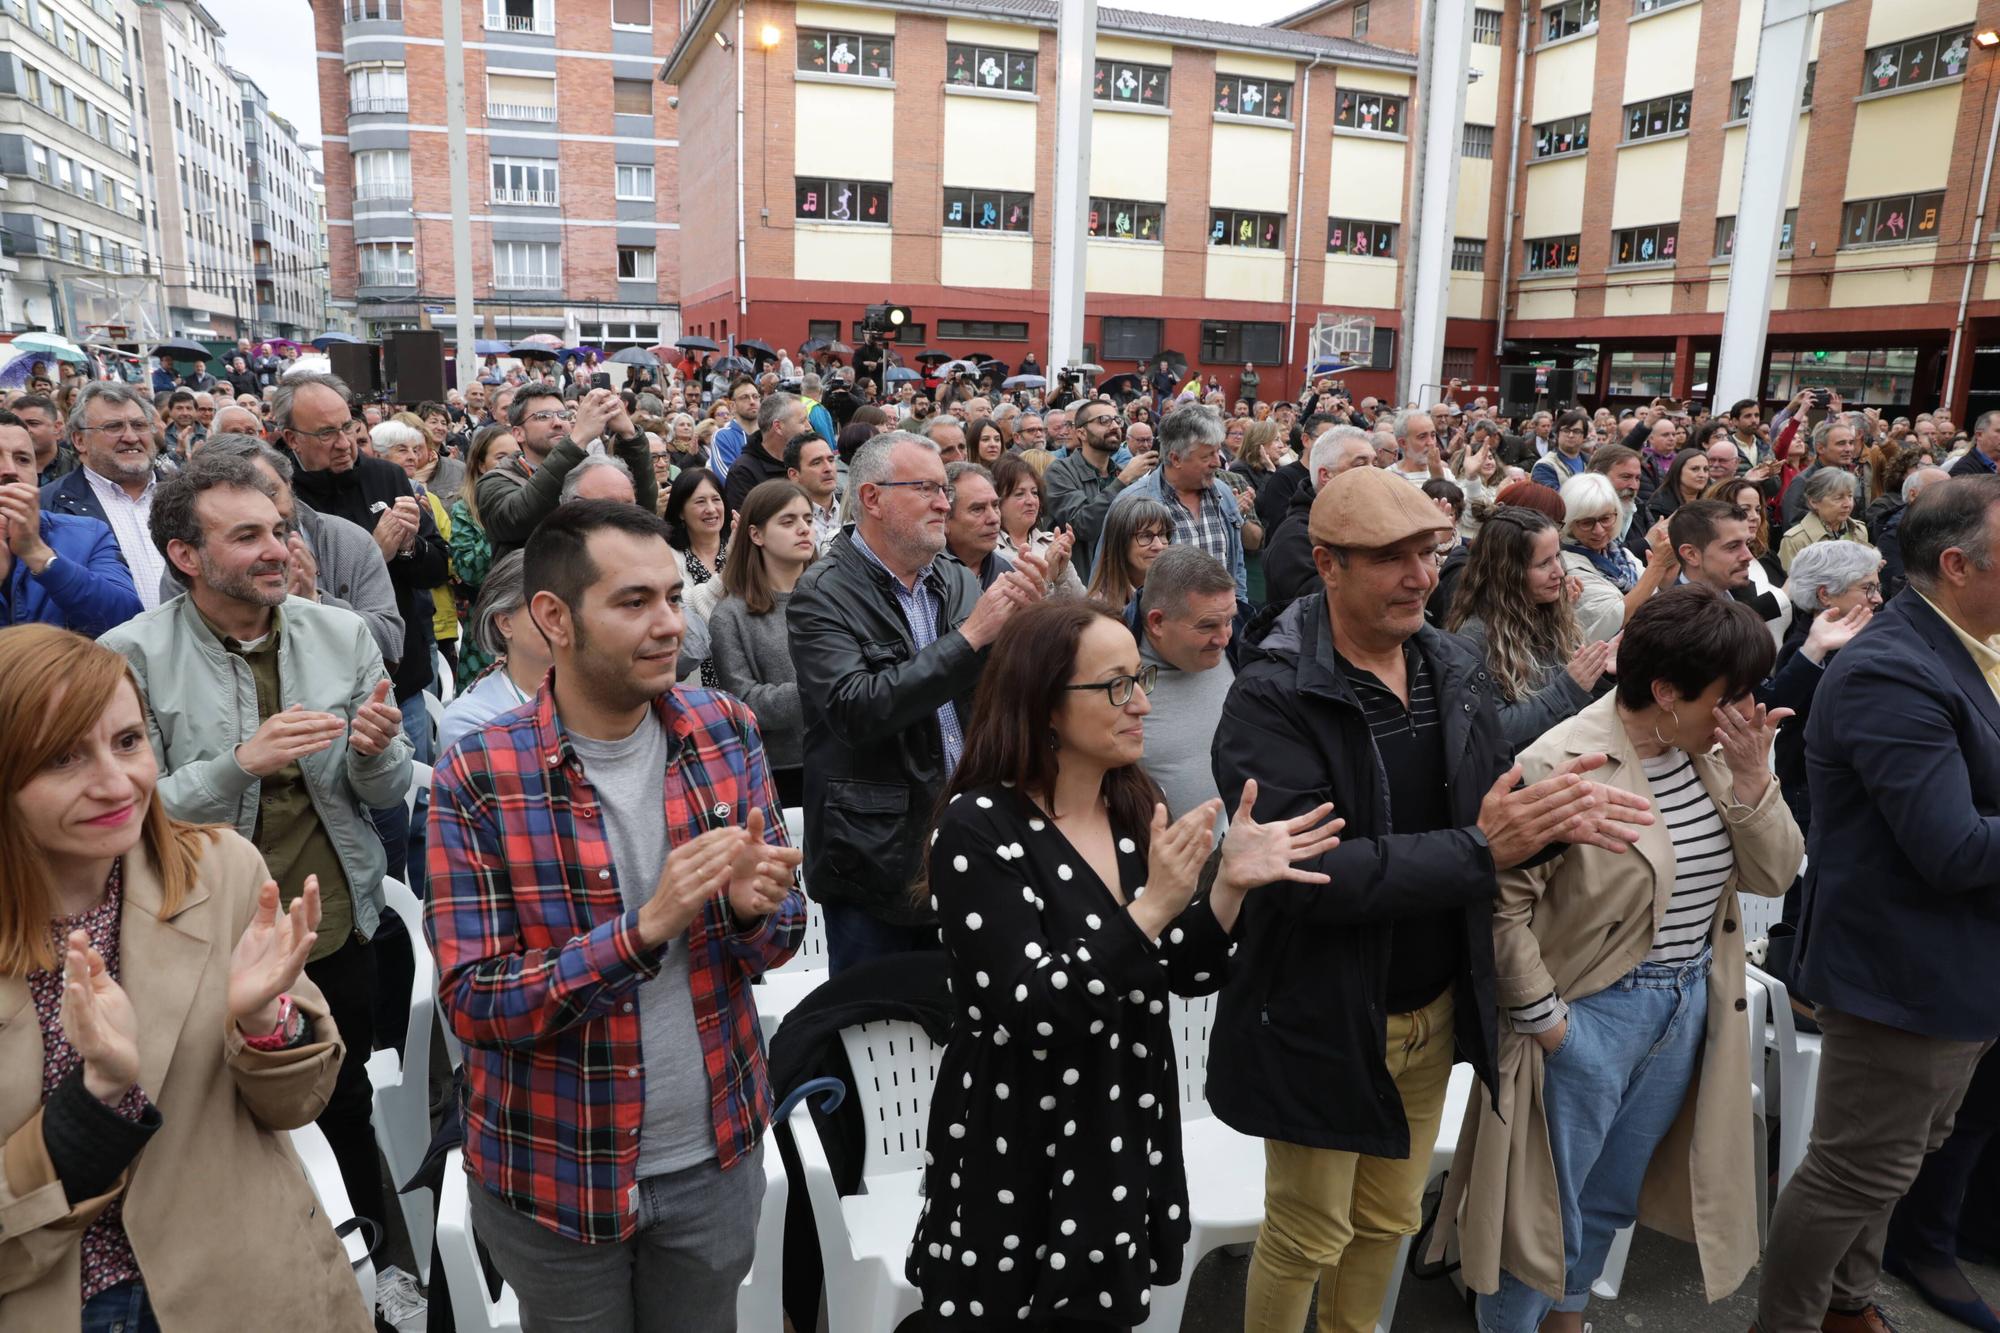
{"x": 327, "y": 661}
{"x": 1153, "y": 486}
{"x": 1574, "y": 924}
{"x": 222, "y": 1221}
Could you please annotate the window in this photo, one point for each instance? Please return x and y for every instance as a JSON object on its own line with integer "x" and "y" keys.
{"x": 1640, "y": 373}
{"x": 1459, "y": 363}
{"x": 632, "y": 97}
{"x": 632, "y": 13}
{"x": 828, "y": 329}
{"x": 819, "y": 200}
{"x": 1358, "y": 19}
{"x": 988, "y": 210}
{"x": 388, "y": 263}
{"x": 1373, "y": 240}
{"x": 982, "y": 330}
{"x": 1554, "y": 138}
{"x": 1645, "y": 245}
{"x": 637, "y": 263}
{"x": 1739, "y": 94}
{"x": 1468, "y": 254}
{"x": 1662, "y": 115}
{"x": 994, "y": 67}
{"x": 847, "y": 55}
{"x": 1127, "y": 220}
{"x": 1917, "y": 61}
{"x": 1486, "y": 27}
{"x": 520, "y": 16}
{"x": 1553, "y": 254}
{"x": 1237, "y": 96}
{"x": 520, "y": 97}
{"x": 1130, "y": 338}
{"x": 1478, "y": 142}
{"x": 525, "y": 180}
{"x": 635, "y": 182}
{"x": 1650, "y": 6}
{"x": 382, "y": 173}
{"x": 1233, "y": 342}
{"x": 1122, "y": 83}
{"x": 527, "y": 265}
{"x": 1376, "y": 113}
{"x": 1889, "y": 221}
{"x": 1725, "y": 234}
{"x": 1567, "y": 19}
{"x": 1248, "y": 231}
{"x": 38, "y": 162}
{"x": 374, "y": 9}
{"x": 1873, "y": 375}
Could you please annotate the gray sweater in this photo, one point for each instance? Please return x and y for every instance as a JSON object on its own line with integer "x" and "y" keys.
{"x": 1180, "y": 731}
{"x": 753, "y": 661}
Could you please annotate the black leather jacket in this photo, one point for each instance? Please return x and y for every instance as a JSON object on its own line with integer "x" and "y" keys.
{"x": 874, "y": 752}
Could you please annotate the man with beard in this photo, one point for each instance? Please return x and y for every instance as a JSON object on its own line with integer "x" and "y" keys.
{"x": 113, "y": 426}
{"x": 1622, "y": 468}
{"x": 271, "y": 714}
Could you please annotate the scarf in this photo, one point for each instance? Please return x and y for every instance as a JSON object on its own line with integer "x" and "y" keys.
{"x": 1620, "y": 572}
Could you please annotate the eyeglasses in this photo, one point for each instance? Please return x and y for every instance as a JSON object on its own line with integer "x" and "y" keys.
{"x": 1153, "y": 538}
{"x": 551, "y": 416}
{"x": 117, "y": 429}
{"x": 325, "y": 434}
{"x": 1119, "y": 688}
{"x": 927, "y": 490}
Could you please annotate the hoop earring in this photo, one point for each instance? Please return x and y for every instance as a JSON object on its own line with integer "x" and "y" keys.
{"x": 1677, "y": 724}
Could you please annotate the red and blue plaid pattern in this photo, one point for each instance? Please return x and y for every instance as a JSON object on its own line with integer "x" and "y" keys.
{"x": 539, "y": 960}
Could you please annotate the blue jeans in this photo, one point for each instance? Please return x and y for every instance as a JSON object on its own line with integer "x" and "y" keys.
{"x": 1611, "y": 1091}
{"x": 120, "y": 1309}
{"x": 854, "y": 937}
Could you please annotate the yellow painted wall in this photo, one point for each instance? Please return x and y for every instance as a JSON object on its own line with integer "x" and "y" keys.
{"x": 989, "y": 143}
{"x": 1475, "y": 195}
{"x": 1902, "y": 143}
{"x": 1564, "y": 80}
{"x": 825, "y": 142}
{"x": 1546, "y": 303}
{"x": 1248, "y": 167}
{"x": 1124, "y": 266}
{"x": 1366, "y": 179}
{"x": 1730, "y": 183}
{"x": 1019, "y": 36}
{"x": 857, "y": 254}
{"x": 1353, "y": 281}
{"x": 983, "y": 259}
{"x": 1370, "y": 80}
{"x": 1245, "y": 275}
{"x": 1663, "y": 54}
{"x": 1128, "y": 156}
{"x": 1895, "y": 286}
{"x": 808, "y": 15}
{"x": 1648, "y": 188}
{"x": 1482, "y": 98}
{"x": 1555, "y": 198}
{"x": 1466, "y": 292}
{"x": 1913, "y": 18}
{"x": 1992, "y": 288}
{"x": 1631, "y": 299}
{"x": 1125, "y": 48}
{"x": 1262, "y": 67}
{"x": 1781, "y": 290}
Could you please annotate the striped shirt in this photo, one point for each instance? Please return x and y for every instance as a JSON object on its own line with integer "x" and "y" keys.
{"x": 1704, "y": 858}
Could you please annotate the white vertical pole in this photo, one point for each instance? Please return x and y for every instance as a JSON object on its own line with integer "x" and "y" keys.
{"x": 459, "y": 163}
{"x": 1076, "y": 55}
{"x": 1444, "y": 55}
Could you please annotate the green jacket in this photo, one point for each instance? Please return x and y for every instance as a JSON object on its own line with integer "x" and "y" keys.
{"x": 202, "y": 703}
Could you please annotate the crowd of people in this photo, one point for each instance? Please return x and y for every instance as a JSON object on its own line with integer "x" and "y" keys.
{"x": 1415, "y": 735}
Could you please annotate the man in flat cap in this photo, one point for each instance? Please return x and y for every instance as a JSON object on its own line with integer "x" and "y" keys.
{"x": 1346, "y": 1003}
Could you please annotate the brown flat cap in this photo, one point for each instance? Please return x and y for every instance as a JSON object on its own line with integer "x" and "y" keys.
{"x": 1366, "y": 507}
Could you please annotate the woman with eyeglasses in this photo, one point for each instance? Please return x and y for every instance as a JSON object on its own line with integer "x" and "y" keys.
{"x": 698, "y": 527}
{"x": 1611, "y": 583}
{"x": 493, "y": 445}
{"x": 1134, "y": 535}
{"x": 1055, "y": 1194}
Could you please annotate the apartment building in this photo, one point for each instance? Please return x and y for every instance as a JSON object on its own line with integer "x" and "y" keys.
{"x": 286, "y": 222}
{"x": 573, "y": 164}
{"x": 1244, "y": 181}
{"x": 74, "y": 254}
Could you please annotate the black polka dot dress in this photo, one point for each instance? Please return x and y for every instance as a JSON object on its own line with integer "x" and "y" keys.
{"x": 1054, "y": 1187}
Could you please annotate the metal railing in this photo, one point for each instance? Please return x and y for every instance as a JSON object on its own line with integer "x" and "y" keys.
{"x": 541, "y": 21}
{"x": 541, "y": 198}
{"x": 527, "y": 282}
{"x": 520, "y": 111}
{"x": 379, "y": 106}
{"x": 391, "y": 189}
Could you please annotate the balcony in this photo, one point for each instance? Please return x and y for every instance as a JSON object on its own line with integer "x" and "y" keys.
{"x": 389, "y": 191}
{"x": 521, "y": 111}
{"x": 379, "y": 106}
{"x": 533, "y": 198}
{"x": 506, "y": 281}
{"x": 520, "y": 16}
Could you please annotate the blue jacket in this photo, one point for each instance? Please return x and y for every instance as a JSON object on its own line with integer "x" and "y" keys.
{"x": 1152, "y": 487}
{"x": 87, "y": 589}
{"x": 71, "y": 494}
{"x": 1901, "y": 917}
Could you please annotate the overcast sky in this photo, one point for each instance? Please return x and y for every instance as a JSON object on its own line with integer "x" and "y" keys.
{"x": 273, "y": 44}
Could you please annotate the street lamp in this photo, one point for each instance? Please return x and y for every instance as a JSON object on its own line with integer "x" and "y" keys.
{"x": 1986, "y": 39}
{"x": 770, "y": 36}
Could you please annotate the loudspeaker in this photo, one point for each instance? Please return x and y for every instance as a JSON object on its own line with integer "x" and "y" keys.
{"x": 413, "y": 366}
{"x": 359, "y": 365}
{"x": 1525, "y": 389}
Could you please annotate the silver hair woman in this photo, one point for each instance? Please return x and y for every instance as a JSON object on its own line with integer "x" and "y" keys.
{"x": 1614, "y": 584}
{"x": 1841, "y": 581}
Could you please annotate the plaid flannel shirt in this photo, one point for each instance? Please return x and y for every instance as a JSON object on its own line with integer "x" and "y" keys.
{"x": 539, "y": 960}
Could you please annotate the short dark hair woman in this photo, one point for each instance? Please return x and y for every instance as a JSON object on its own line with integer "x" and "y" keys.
{"x": 1624, "y": 1052}
{"x": 1055, "y": 1191}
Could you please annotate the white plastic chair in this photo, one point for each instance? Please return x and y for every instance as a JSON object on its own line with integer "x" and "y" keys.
{"x": 812, "y": 956}
{"x": 1459, "y": 1091}
{"x": 1798, "y": 1076}
{"x": 865, "y": 1237}
{"x": 1225, "y": 1168}
{"x": 760, "y": 1301}
{"x": 447, "y": 678}
{"x": 315, "y": 1155}
{"x": 420, "y": 784}
{"x": 473, "y": 1308}
{"x": 402, "y": 1098}
{"x": 1759, "y": 914}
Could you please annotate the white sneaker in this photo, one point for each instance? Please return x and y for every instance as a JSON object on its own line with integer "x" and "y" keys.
{"x": 400, "y": 1301}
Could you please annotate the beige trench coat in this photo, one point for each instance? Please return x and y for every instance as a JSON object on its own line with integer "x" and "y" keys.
{"x": 223, "y": 1222}
{"x": 1574, "y": 925}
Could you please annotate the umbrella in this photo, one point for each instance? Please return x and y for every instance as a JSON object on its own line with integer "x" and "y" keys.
{"x": 1088, "y": 368}
{"x": 930, "y": 354}
{"x": 50, "y": 344}
{"x": 1126, "y": 383}
{"x": 633, "y": 356}
{"x": 326, "y": 340}
{"x": 952, "y": 367}
{"x": 1175, "y": 361}
{"x": 694, "y": 343}
{"x": 1025, "y": 382}
{"x": 826, "y": 346}
{"x": 185, "y": 349}
{"x": 900, "y": 375}
{"x": 992, "y": 367}
{"x": 14, "y": 375}
{"x": 552, "y": 341}
{"x": 491, "y": 347}
{"x": 733, "y": 365}
{"x": 528, "y": 351}
{"x": 757, "y": 348}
